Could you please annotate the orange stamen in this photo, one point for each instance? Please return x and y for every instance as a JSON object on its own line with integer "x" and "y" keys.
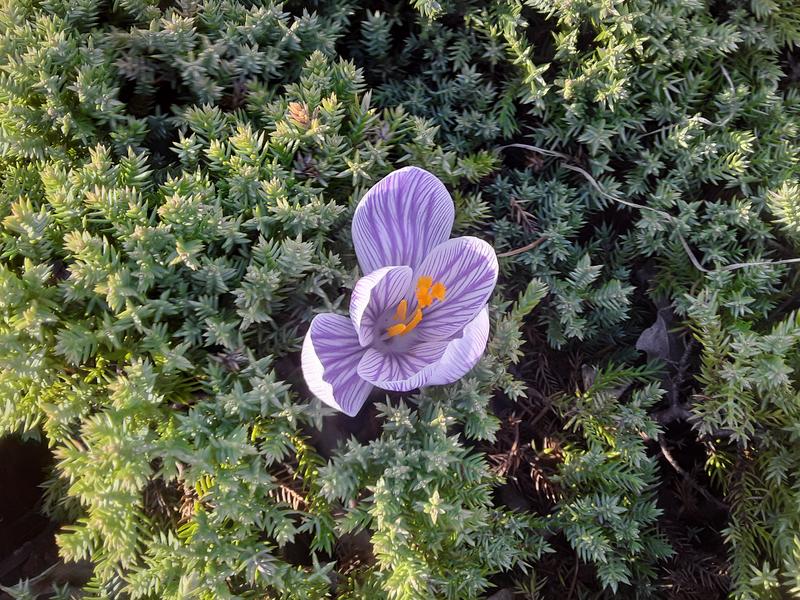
{"x": 413, "y": 322}
{"x": 402, "y": 309}
{"x": 425, "y": 282}
{"x": 427, "y": 291}
{"x": 398, "y": 329}
{"x": 438, "y": 291}
{"x": 424, "y": 297}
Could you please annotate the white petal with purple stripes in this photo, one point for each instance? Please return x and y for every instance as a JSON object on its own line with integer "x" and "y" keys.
{"x": 401, "y": 371}
{"x": 428, "y": 363}
{"x": 374, "y": 295}
{"x": 463, "y": 352}
{"x": 467, "y": 266}
{"x": 330, "y": 358}
{"x": 401, "y": 219}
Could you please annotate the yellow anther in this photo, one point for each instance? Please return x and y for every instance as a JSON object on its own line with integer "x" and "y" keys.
{"x": 424, "y": 297}
{"x": 402, "y": 310}
{"x": 424, "y": 282}
{"x": 413, "y": 322}
{"x": 427, "y": 291}
{"x": 438, "y": 291}
{"x": 394, "y": 330}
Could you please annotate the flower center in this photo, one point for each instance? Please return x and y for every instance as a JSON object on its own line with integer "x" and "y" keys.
{"x": 427, "y": 291}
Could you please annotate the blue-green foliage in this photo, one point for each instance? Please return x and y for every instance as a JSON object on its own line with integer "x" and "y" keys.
{"x": 608, "y": 511}
{"x": 749, "y": 397}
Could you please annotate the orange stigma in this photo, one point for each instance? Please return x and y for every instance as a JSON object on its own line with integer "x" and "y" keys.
{"x": 426, "y": 292}
{"x": 402, "y": 309}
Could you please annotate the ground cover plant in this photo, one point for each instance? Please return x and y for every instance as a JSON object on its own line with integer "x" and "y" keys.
{"x": 177, "y": 186}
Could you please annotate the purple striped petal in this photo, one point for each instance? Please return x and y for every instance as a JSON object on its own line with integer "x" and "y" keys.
{"x": 375, "y": 295}
{"x": 330, "y": 358}
{"x": 401, "y": 219}
{"x": 463, "y": 352}
{"x": 428, "y": 363}
{"x": 468, "y": 268}
{"x": 401, "y": 371}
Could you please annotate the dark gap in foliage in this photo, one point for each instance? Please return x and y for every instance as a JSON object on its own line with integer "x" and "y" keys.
{"x": 691, "y": 521}
{"x": 525, "y": 425}
{"x": 165, "y": 501}
{"x": 155, "y": 103}
{"x": 567, "y": 576}
{"x": 790, "y": 60}
{"x": 298, "y": 551}
{"x": 402, "y": 25}
{"x": 586, "y": 42}
{"x": 27, "y": 544}
{"x": 721, "y": 10}
{"x": 539, "y": 34}
{"x": 691, "y": 455}
{"x": 339, "y": 428}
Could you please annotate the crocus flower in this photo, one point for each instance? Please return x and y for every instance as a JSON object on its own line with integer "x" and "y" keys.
{"x": 419, "y": 315}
